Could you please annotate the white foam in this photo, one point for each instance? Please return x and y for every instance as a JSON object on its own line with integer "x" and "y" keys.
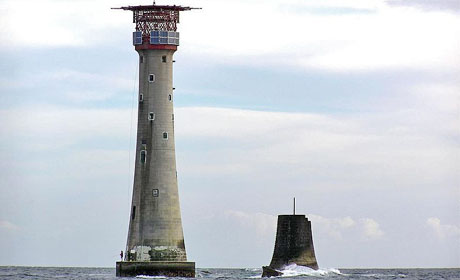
{"x": 298, "y": 270}
{"x": 252, "y": 269}
{"x": 150, "y": 277}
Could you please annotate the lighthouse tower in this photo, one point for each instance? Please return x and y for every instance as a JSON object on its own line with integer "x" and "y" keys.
{"x": 155, "y": 244}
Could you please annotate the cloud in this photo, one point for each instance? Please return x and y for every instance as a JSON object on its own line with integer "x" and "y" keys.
{"x": 428, "y": 5}
{"x": 53, "y": 127}
{"x": 265, "y": 225}
{"x": 8, "y": 226}
{"x": 335, "y": 36}
{"x": 371, "y": 229}
{"x": 336, "y": 228}
{"x": 59, "y": 24}
{"x": 387, "y": 38}
{"x": 268, "y": 148}
{"x": 443, "y": 231}
{"x": 378, "y": 150}
{"x": 393, "y": 39}
{"x": 333, "y": 226}
{"x": 71, "y": 85}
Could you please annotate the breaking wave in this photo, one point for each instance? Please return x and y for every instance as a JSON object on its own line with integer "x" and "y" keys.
{"x": 293, "y": 270}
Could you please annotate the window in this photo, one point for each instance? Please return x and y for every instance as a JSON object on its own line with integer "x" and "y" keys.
{"x": 154, "y": 37}
{"x": 172, "y": 116}
{"x": 141, "y": 97}
{"x": 151, "y": 78}
{"x": 141, "y": 59}
{"x": 151, "y": 116}
{"x": 163, "y": 58}
{"x": 156, "y": 192}
{"x": 170, "y": 98}
{"x": 164, "y": 37}
{"x": 144, "y": 142}
{"x": 133, "y": 213}
{"x": 137, "y": 38}
{"x": 143, "y": 156}
{"x": 165, "y": 135}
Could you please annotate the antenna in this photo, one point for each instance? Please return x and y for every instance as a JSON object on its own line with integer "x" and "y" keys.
{"x": 294, "y": 205}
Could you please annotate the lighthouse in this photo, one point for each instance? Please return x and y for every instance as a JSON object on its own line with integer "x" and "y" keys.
{"x": 155, "y": 244}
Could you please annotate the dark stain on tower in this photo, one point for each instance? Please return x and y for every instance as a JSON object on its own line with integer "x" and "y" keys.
{"x": 293, "y": 245}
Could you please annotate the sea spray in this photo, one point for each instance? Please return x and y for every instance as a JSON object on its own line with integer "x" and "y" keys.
{"x": 293, "y": 270}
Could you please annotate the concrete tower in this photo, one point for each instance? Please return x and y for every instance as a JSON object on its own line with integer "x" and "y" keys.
{"x": 155, "y": 243}
{"x": 293, "y": 245}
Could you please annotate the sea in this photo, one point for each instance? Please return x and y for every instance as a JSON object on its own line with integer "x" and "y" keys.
{"x": 80, "y": 273}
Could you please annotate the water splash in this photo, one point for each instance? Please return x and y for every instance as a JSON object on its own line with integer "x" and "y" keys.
{"x": 293, "y": 270}
{"x": 150, "y": 277}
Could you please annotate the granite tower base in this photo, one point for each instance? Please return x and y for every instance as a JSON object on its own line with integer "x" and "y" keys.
{"x": 294, "y": 245}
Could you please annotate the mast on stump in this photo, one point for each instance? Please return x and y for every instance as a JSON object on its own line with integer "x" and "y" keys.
{"x": 294, "y": 206}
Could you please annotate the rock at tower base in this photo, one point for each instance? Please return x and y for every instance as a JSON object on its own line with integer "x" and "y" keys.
{"x": 294, "y": 244}
{"x": 170, "y": 269}
{"x": 270, "y": 272}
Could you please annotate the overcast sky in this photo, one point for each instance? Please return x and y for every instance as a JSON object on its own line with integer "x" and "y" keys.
{"x": 351, "y": 106}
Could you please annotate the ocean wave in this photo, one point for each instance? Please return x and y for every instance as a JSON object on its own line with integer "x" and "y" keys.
{"x": 150, "y": 277}
{"x": 293, "y": 270}
{"x": 252, "y": 269}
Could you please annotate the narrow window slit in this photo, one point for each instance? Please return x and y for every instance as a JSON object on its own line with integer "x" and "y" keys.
{"x": 143, "y": 156}
{"x": 133, "y": 213}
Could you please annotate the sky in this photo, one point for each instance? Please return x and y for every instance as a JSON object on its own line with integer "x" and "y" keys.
{"x": 351, "y": 106}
